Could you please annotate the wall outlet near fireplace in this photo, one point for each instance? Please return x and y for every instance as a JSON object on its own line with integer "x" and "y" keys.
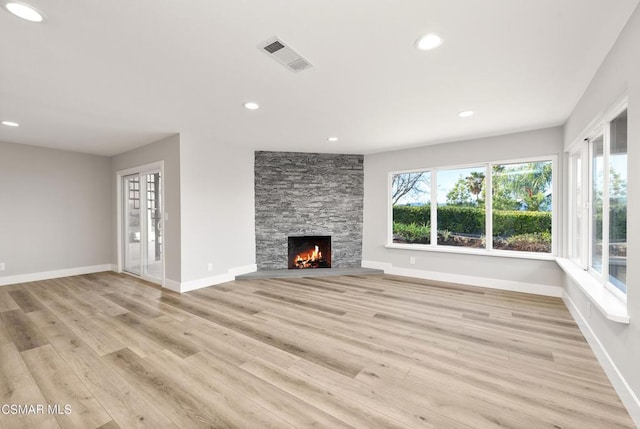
{"x": 210, "y": 266}
{"x": 2, "y": 266}
{"x": 412, "y": 260}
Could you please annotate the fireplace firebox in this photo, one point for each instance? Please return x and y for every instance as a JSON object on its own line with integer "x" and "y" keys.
{"x": 311, "y": 251}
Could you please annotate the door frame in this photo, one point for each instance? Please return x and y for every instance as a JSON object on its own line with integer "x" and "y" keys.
{"x": 142, "y": 169}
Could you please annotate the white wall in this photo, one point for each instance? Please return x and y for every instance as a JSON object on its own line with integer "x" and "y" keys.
{"x": 55, "y": 212}
{"x": 619, "y": 74}
{"x": 508, "y": 272}
{"x": 167, "y": 150}
{"x": 218, "y": 227}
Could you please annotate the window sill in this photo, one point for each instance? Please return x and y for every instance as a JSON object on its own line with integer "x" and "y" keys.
{"x": 613, "y": 309}
{"x": 471, "y": 251}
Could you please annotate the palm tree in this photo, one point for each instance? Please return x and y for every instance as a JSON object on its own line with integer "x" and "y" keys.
{"x": 475, "y": 181}
{"x": 526, "y": 186}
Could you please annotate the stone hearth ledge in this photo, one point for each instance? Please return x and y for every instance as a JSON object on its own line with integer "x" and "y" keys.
{"x": 310, "y": 272}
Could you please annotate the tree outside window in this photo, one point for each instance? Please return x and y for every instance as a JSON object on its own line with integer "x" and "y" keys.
{"x": 521, "y": 206}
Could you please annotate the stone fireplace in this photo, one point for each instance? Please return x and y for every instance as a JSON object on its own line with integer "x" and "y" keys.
{"x": 308, "y": 194}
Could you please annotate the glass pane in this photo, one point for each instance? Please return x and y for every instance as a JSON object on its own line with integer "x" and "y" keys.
{"x": 576, "y": 206}
{"x": 153, "y": 262}
{"x": 597, "y": 188}
{"x": 618, "y": 203}
{"x": 522, "y": 203}
{"x": 411, "y": 201}
{"x": 461, "y": 214}
{"x": 132, "y": 231}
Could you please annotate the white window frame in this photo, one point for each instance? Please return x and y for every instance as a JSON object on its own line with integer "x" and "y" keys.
{"x": 581, "y": 259}
{"x": 488, "y": 251}
{"x": 605, "y": 205}
{"x": 602, "y": 127}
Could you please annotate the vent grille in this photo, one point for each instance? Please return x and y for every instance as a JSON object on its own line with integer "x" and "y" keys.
{"x": 299, "y": 64}
{"x": 284, "y": 54}
{"x": 275, "y": 46}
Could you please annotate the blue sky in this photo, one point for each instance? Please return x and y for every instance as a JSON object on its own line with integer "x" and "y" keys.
{"x": 446, "y": 180}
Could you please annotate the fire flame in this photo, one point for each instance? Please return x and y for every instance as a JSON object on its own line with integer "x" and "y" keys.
{"x": 306, "y": 259}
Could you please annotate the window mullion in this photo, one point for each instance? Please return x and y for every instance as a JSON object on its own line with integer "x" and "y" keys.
{"x": 434, "y": 208}
{"x": 573, "y": 209}
{"x": 586, "y": 214}
{"x": 590, "y": 206}
{"x": 390, "y": 209}
{"x": 488, "y": 208}
{"x": 555, "y": 239}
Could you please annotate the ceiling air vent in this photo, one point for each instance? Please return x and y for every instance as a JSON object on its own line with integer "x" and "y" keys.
{"x": 279, "y": 51}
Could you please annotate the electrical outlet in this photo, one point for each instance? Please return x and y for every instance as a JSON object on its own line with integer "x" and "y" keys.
{"x": 210, "y": 266}
{"x": 2, "y": 266}
{"x": 412, "y": 260}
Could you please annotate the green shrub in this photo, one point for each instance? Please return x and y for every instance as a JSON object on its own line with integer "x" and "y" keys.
{"x": 463, "y": 220}
{"x": 445, "y": 234}
{"x": 412, "y": 232}
{"x": 538, "y": 242}
{"x": 507, "y": 223}
{"x": 541, "y": 238}
{"x": 471, "y": 220}
{"x": 618, "y": 224}
{"x": 420, "y": 215}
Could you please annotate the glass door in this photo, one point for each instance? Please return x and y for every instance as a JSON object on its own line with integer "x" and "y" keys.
{"x": 142, "y": 220}
{"x": 132, "y": 231}
{"x": 152, "y": 260}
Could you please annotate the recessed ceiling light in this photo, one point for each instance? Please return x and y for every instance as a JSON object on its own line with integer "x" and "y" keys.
{"x": 465, "y": 113}
{"x": 24, "y": 11}
{"x": 332, "y": 139}
{"x": 10, "y": 124}
{"x": 428, "y": 42}
{"x": 251, "y": 105}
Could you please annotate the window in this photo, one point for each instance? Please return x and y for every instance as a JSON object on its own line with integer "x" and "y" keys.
{"x": 618, "y": 203}
{"x": 456, "y": 209}
{"x": 411, "y": 202}
{"x": 522, "y": 202}
{"x": 461, "y": 208}
{"x": 601, "y": 247}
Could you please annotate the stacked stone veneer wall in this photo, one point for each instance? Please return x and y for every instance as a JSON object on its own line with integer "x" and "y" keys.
{"x": 308, "y": 194}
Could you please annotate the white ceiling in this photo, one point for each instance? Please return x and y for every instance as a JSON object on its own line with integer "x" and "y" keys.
{"x": 104, "y": 77}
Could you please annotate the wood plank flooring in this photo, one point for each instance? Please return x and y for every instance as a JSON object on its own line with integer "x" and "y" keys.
{"x": 370, "y": 351}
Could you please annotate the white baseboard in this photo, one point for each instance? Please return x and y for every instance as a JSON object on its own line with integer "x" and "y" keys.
{"x": 238, "y": 271}
{"x": 206, "y": 282}
{"x": 515, "y": 286}
{"x": 375, "y": 265}
{"x": 46, "y": 275}
{"x": 211, "y": 281}
{"x": 624, "y": 391}
{"x": 172, "y": 285}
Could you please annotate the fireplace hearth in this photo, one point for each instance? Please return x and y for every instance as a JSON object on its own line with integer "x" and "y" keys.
{"x": 311, "y": 251}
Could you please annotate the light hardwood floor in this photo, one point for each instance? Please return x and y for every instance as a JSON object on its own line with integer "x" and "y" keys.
{"x": 353, "y": 351}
